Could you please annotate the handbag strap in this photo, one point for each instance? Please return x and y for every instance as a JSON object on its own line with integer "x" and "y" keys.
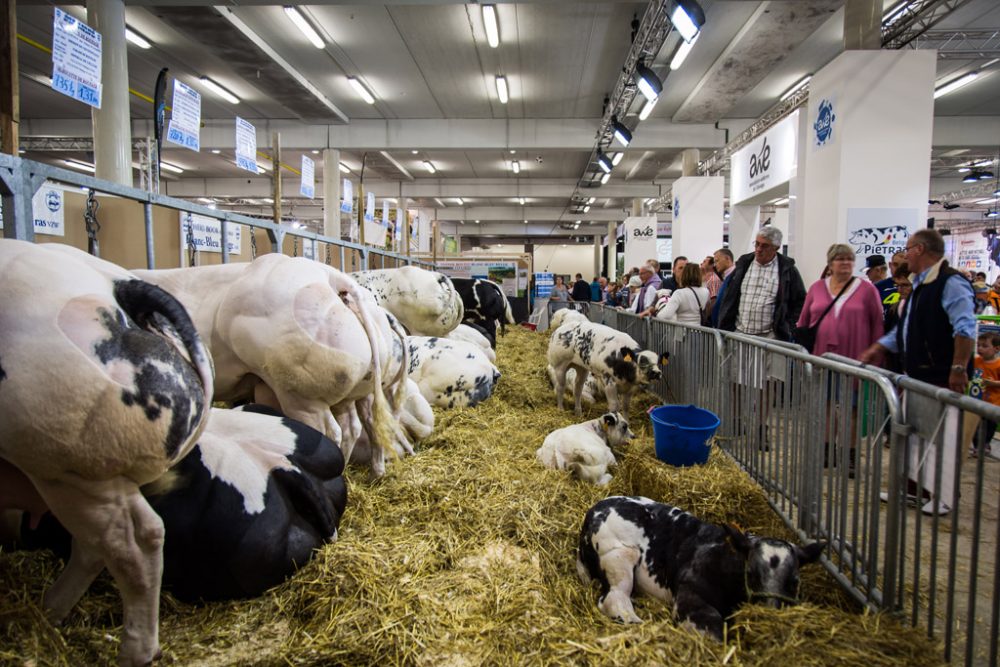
{"x": 839, "y": 294}
{"x": 696, "y": 299}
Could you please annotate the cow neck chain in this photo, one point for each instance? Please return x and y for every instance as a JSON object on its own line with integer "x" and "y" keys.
{"x": 752, "y": 594}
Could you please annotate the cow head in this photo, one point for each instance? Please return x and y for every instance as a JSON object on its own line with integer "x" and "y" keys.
{"x": 648, "y": 365}
{"x": 616, "y": 430}
{"x": 772, "y": 566}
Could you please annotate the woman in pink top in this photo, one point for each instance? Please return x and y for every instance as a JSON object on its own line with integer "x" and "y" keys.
{"x": 849, "y": 328}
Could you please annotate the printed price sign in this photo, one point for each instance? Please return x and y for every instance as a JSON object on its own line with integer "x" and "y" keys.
{"x": 307, "y": 187}
{"x": 185, "y": 117}
{"x": 246, "y": 145}
{"x": 76, "y": 59}
{"x": 347, "y": 204}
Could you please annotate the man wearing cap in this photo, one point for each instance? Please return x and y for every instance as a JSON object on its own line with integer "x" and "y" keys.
{"x": 875, "y": 268}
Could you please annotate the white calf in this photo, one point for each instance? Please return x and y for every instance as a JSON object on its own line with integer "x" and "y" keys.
{"x": 586, "y": 449}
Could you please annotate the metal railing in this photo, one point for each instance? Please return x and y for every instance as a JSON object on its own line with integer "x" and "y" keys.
{"x": 20, "y": 179}
{"x": 834, "y": 445}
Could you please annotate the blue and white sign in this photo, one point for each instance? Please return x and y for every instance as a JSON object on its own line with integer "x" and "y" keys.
{"x": 347, "y": 203}
{"x": 246, "y": 145}
{"x": 307, "y": 185}
{"x": 370, "y": 207}
{"x": 823, "y": 125}
{"x": 385, "y": 213}
{"x": 207, "y": 233}
{"x": 676, "y": 210}
{"x": 397, "y": 234}
{"x": 184, "y": 127}
{"x": 543, "y": 285}
{"x": 76, "y": 59}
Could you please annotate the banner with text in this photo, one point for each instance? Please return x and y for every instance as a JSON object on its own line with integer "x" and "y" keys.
{"x": 206, "y": 233}
{"x": 307, "y": 183}
{"x": 640, "y": 240}
{"x": 76, "y": 59}
{"x": 503, "y": 273}
{"x": 347, "y": 203}
{"x": 879, "y": 231}
{"x": 246, "y": 145}
{"x": 47, "y": 208}
{"x": 184, "y": 127}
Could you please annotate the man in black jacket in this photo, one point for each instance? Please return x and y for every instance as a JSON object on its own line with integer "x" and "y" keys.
{"x": 765, "y": 293}
{"x": 581, "y": 289}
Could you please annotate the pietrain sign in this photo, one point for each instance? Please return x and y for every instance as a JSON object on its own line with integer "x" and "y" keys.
{"x": 766, "y": 163}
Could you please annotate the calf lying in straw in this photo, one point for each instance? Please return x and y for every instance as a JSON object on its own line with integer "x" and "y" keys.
{"x": 585, "y": 449}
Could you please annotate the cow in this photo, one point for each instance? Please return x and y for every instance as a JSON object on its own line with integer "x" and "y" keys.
{"x": 301, "y": 337}
{"x": 416, "y": 419}
{"x": 475, "y": 334}
{"x": 610, "y": 355}
{"x": 104, "y": 384}
{"x": 587, "y": 449}
{"x": 485, "y": 304}
{"x": 564, "y": 315}
{"x": 424, "y": 301}
{"x": 592, "y": 387}
{"x": 243, "y": 510}
{"x": 451, "y": 373}
{"x": 636, "y": 545}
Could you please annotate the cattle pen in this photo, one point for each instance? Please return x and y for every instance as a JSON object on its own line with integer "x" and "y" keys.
{"x": 465, "y": 555}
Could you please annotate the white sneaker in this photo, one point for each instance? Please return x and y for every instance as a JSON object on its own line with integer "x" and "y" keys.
{"x": 938, "y": 507}
{"x": 911, "y": 499}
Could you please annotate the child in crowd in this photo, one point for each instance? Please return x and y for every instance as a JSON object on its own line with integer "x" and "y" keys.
{"x": 987, "y": 372}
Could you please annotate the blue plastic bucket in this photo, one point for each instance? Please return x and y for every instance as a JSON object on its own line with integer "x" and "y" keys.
{"x": 682, "y": 433}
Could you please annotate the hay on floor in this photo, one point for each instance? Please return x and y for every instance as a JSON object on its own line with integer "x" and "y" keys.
{"x": 465, "y": 555}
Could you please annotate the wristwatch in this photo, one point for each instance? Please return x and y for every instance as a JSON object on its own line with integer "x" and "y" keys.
{"x": 957, "y": 369}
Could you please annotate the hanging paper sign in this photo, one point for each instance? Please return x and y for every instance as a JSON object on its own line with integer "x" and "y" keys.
{"x": 347, "y": 204}
{"x": 307, "y": 186}
{"x": 309, "y": 248}
{"x": 397, "y": 232}
{"x": 370, "y": 207}
{"x": 385, "y": 214}
{"x": 76, "y": 59}
{"x": 185, "y": 117}
{"x": 206, "y": 233}
{"x": 246, "y": 146}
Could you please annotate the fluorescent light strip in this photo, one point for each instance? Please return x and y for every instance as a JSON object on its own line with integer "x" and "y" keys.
{"x": 516, "y": 166}
{"x": 171, "y": 167}
{"x": 685, "y": 26}
{"x": 219, "y": 90}
{"x": 955, "y": 84}
{"x": 429, "y": 167}
{"x": 616, "y": 158}
{"x": 647, "y": 109}
{"x": 492, "y": 26}
{"x": 458, "y": 200}
{"x": 682, "y": 53}
{"x": 586, "y": 209}
{"x": 80, "y": 165}
{"x": 521, "y": 200}
{"x": 344, "y": 168}
{"x": 780, "y": 202}
{"x": 136, "y": 38}
{"x": 361, "y": 89}
{"x": 592, "y": 200}
{"x": 440, "y": 203}
{"x": 304, "y": 27}
{"x": 605, "y": 177}
{"x": 796, "y": 88}
{"x": 502, "y": 89}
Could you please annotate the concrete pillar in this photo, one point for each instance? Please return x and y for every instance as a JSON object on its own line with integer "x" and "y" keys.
{"x": 597, "y": 254}
{"x": 112, "y": 126}
{"x": 637, "y": 208}
{"x": 863, "y": 25}
{"x": 864, "y": 106}
{"x": 612, "y": 251}
{"x": 331, "y": 192}
{"x": 689, "y": 161}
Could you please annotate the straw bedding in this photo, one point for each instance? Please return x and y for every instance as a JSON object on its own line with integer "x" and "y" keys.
{"x": 465, "y": 555}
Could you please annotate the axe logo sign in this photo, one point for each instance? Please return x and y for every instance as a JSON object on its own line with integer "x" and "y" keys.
{"x": 760, "y": 162}
{"x": 647, "y": 232}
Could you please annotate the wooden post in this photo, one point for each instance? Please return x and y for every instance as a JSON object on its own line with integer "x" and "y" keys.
{"x": 276, "y": 175}
{"x": 10, "y": 94}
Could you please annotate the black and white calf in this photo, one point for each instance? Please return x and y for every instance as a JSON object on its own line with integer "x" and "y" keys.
{"x": 612, "y": 356}
{"x": 451, "y": 373}
{"x": 586, "y": 449}
{"x": 243, "y": 510}
{"x": 485, "y": 304}
{"x": 633, "y": 544}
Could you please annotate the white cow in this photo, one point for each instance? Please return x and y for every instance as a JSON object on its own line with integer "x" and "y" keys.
{"x": 586, "y": 449}
{"x": 424, "y": 301}
{"x": 416, "y": 419}
{"x": 104, "y": 384}
{"x": 564, "y": 315}
{"x": 299, "y": 336}
{"x": 592, "y": 387}
{"x": 451, "y": 373}
{"x": 467, "y": 334}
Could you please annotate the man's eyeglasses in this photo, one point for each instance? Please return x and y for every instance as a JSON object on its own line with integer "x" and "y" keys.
{"x": 914, "y": 245}
{"x": 758, "y": 244}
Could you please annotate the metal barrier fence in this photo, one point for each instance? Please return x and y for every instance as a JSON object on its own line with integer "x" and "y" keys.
{"x": 834, "y": 445}
{"x": 20, "y": 179}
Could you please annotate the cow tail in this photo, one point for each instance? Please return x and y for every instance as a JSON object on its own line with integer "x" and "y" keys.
{"x": 156, "y": 310}
{"x": 383, "y": 422}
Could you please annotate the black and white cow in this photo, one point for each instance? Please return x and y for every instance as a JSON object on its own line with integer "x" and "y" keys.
{"x": 485, "y": 304}
{"x": 451, "y": 373}
{"x": 475, "y": 334}
{"x": 633, "y": 544}
{"x": 612, "y": 356}
{"x": 243, "y": 510}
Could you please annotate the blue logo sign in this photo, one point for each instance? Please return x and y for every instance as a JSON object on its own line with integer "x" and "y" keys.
{"x": 52, "y": 200}
{"x": 824, "y": 122}
{"x": 677, "y": 208}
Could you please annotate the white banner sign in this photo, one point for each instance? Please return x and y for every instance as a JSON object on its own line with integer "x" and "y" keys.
{"x": 206, "y": 234}
{"x": 970, "y": 252}
{"x": 370, "y": 207}
{"x": 347, "y": 204}
{"x": 309, "y": 248}
{"x": 307, "y": 185}
{"x": 766, "y": 162}
{"x": 76, "y": 59}
{"x": 184, "y": 127}
{"x": 397, "y": 233}
{"x": 47, "y": 207}
{"x": 246, "y": 146}
{"x": 640, "y": 241}
{"x": 879, "y": 231}
{"x": 385, "y": 213}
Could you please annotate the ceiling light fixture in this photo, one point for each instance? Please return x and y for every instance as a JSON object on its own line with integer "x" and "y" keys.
{"x": 216, "y": 151}
{"x": 515, "y": 167}
{"x": 604, "y": 178}
{"x": 688, "y": 17}
{"x": 440, "y": 203}
{"x": 682, "y": 53}
{"x": 647, "y": 109}
{"x": 361, "y": 90}
{"x": 592, "y": 200}
{"x": 985, "y": 175}
{"x": 492, "y": 25}
{"x": 136, "y": 38}
{"x": 502, "y": 88}
{"x": 780, "y": 202}
{"x": 80, "y": 165}
{"x": 458, "y": 200}
{"x": 344, "y": 168}
{"x": 219, "y": 90}
{"x": 429, "y": 167}
{"x": 955, "y": 84}
{"x": 616, "y": 158}
{"x": 586, "y": 209}
{"x": 315, "y": 152}
{"x": 415, "y": 152}
{"x": 796, "y": 88}
{"x": 621, "y": 133}
{"x": 521, "y": 200}
{"x": 525, "y": 222}
{"x": 206, "y": 200}
{"x": 992, "y": 213}
{"x": 971, "y": 177}
{"x": 649, "y": 84}
{"x": 604, "y": 162}
{"x": 304, "y": 27}
{"x": 171, "y": 167}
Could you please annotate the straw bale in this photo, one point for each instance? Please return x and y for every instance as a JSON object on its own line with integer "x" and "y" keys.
{"x": 465, "y": 555}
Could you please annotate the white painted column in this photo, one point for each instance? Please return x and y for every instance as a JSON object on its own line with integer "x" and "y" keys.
{"x": 697, "y": 220}
{"x": 689, "y": 161}
{"x": 612, "y": 251}
{"x": 871, "y": 117}
{"x": 112, "y": 127}
{"x": 331, "y": 192}
{"x": 597, "y": 255}
{"x": 743, "y": 223}
{"x": 797, "y": 190}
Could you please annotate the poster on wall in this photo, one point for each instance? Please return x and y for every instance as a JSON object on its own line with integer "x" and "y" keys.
{"x": 976, "y": 252}
{"x": 307, "y": 182}
{"x": 206, "y": 233}
{"x": 47, "y": 208}
{"x": 543, "y": 285}
{"x": 640, "y": 240}
{"x": 879, "y": 231}
{"x": 503, "y": 273}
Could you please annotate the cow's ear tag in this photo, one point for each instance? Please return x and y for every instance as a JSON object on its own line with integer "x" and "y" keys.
{"x": 627, "y": 357}
{"x": 604, "y": 425}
